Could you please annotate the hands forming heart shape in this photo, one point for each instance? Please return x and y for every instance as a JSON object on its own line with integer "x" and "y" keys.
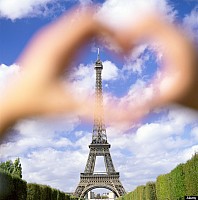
{"x": 40, "y": 90}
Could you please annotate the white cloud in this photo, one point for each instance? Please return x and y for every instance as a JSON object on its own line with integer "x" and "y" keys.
{"x": 138, "y": 94}
{"x": 120, "y": 14}
{"x": 194, "y": 133}
{"x": 7, "y": 74}
{"x": 134, "y": 63}
{"x": 40, "y": 134}
{"x": 190, "y": 23}
{"x": 83, "y": 77}
{"x": 191, "y": 20}
{"x": 126, "y": 13}
{"x": 180, "y": 116}
{"x": 58, "y": 169}
{"x": 110, "y": 71}
{"x": 14, "y": 9}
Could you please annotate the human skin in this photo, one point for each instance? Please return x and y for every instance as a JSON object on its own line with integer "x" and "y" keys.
{"x": 178, "y": 80}
{"x": 40, "y": 90}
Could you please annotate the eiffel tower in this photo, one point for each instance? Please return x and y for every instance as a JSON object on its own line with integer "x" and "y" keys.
{"x": 99, "y": 147}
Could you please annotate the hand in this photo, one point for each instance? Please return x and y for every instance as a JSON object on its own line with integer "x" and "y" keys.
{"x": 40, "y": 89}
{"x": 178, "y": 79}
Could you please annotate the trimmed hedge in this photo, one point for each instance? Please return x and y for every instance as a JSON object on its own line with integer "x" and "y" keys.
{"x": 33, "y": 191}
{"x": 44, "y": 192}
{"x": 177, "y": 184}
{"x": 191, "y": 176}
{"x": 150, "y": 191}
{"x": 54, "y": 194}
{"x": 181, "y": 181}
{"x": 12, "y": 187}
{"x": 20, "y": 188}
{"x": 60, "y": 196}
{"x": 163, "y": 187}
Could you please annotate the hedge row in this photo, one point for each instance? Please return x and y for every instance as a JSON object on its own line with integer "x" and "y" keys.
{"x": 181, "y": 181}
{"x": 14, "y": 188}
{"x": 44, "y": 192}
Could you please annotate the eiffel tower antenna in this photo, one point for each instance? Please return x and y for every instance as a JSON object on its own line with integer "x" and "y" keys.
{"x": 98, "y": 56}
{"x": 99, "y": 147}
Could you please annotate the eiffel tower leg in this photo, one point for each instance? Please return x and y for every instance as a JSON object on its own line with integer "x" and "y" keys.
{"x": 79, "y": 190}
{"x": 108, "y": 162}
{"x": 90, "y": 162}
{"x": 119, "y": 188}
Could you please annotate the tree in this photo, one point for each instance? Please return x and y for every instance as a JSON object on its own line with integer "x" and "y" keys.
{"x": 12, "y": 168}
{"x": 17, "y": 168}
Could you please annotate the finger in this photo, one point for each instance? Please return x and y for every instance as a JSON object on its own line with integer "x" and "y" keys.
{"x": 53, "y": 47}
{"x": 179, "y": 74}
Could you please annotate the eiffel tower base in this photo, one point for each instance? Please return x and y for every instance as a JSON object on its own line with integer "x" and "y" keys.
{"x": 89, "y": 182}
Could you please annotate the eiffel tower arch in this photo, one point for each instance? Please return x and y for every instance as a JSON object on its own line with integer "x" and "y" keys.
{"x": 99, "y": 147}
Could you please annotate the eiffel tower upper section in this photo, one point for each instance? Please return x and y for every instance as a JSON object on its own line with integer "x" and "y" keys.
{"x": 99, "y": 131}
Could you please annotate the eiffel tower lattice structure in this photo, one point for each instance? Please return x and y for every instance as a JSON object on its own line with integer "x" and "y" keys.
{"x": 99, "y": 147}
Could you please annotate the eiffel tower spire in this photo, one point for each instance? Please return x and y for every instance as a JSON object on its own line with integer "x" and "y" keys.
{"x": 99, "y": 147}
{"x": 98, "y": 57}
{"x": 99, "y": 131}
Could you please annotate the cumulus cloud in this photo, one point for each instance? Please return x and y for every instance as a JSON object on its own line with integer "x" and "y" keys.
{"x": 40, "y": 133}
{"x": 14, "y": 9}
{"x": 7, "y": 74}
{"x": 55, "y": 167}
{"x": 190, "y": 23}
{"x": 135, "y": 62}
{"x": 138, "y": 93}
{"x": 120, "y": 14}
{"x": 83, "y": 77}
{"x": 110, "y": 71}
{"x": 123, "y": 14}
{"x": 194, "y": 134}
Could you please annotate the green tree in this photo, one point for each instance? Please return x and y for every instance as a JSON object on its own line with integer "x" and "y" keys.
{"x": 17, "y": 168}
{"x": 12, "y": 168}
{"x": 7, "y": 166}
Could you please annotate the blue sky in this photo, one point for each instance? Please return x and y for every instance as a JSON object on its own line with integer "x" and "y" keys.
{"x": 54, "y": 151}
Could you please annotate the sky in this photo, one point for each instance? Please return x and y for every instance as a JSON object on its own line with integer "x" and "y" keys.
{"x": 54, "y": 151}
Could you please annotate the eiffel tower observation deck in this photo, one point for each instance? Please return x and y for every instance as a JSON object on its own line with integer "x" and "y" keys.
{"x": 99, "y": 147}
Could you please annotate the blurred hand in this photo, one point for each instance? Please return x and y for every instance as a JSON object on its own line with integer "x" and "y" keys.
{"x": 176, "y": 81}
{"x": 40, "y": 89}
